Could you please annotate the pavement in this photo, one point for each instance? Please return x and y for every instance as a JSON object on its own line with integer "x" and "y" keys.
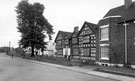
{"x": 88, "y": 71}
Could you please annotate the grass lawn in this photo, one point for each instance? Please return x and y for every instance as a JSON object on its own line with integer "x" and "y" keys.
{"x": 49, "y": 59}
{"x": 117, "y": 70}
{"x": 62, "y": 61}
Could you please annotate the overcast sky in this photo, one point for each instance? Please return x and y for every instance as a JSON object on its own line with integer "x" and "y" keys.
{"x": 62, "y": 14}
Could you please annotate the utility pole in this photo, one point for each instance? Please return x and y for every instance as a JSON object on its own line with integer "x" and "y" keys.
{"x": 126, "y": 24}
{"x": 9, "y": 46}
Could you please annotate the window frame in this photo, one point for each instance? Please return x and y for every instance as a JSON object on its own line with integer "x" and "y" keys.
{"x": 74, "y": 40}
{"x": 106, "y": 55}
{"x": 66, "y": 41}
{"x": 59, "y": 42}
{"x": 101, "y": 28}
{"x": 86, "y": 39}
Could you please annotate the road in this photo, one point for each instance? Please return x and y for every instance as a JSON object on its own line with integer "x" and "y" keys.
{"x": 22, "y": 70}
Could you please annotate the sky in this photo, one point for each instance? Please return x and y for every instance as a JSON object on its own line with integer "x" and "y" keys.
{"x": 64, "y": 15}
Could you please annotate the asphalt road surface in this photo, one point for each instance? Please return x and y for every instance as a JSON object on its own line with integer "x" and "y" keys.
{"x": 22, "y": 70}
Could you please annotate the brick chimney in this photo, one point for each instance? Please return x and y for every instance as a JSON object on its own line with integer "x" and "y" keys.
{"x": 76, "y": 29}
{"x": 127, "y": 3}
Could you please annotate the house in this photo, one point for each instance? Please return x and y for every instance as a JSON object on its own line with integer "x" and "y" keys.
{"x": 50, "y": 49}
{"x": 75, "y": 42}
{"x": 63, "y": 43}
{"x": 116, "y": 41}
{"x": 67, "y": 44}
{"x": 87, "y": 41}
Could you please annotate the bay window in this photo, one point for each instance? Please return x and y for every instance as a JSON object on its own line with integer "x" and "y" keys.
{"x": 104, "y": 32}
{"x": 104, "y": 52}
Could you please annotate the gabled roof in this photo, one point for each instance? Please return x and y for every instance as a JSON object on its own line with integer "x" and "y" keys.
{"x": 75, "y": 33}
{"x": 63, "y": 34}
{"x": 126, "y": 14}
{"x": 90, "y": 25}
{"x": 68, "y": 35}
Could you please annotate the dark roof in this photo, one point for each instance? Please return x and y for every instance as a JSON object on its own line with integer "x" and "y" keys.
{"x": 75, "y": 33}
{"x": 64, "y": 33}
{"x": 92, "y": 26}
{"x": 126, "y": 14}
{"x": 68, "y": 35}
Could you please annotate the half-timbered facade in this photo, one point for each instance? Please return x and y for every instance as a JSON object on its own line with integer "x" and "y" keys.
{"x": 74, "y": 43}
{"x": 62, "y": 41}
{"x": 87, "y": 41}
{"x": 67, "y": 44}
{"x": 59, "y": 44}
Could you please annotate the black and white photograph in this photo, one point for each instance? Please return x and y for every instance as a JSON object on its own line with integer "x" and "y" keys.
{"x": 67, "y": 40}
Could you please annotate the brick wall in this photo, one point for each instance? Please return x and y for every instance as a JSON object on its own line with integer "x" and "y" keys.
{"x": 116, "y": 41}
{"x": 131, "y": 41}
{"x": 116, "y": 37}
{"x": 98, "y": 42}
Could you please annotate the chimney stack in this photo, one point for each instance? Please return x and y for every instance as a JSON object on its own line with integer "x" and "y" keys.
{"x": 127, "y": 3}
{"x": 76, "y": 29}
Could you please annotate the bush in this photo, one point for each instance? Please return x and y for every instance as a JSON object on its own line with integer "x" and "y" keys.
{"x": 88, "y": 62}
{"x": 127, "y": 65}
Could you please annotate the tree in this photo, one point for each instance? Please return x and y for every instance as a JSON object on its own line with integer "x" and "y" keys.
{"x": 32, "y": 25}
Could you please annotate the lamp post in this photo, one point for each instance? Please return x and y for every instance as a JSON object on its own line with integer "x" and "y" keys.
{"x": 9, "y": 46}
{"x": 125, "y": 25}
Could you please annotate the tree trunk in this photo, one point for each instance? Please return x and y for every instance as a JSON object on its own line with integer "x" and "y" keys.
{"x": 32, "y": 50}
